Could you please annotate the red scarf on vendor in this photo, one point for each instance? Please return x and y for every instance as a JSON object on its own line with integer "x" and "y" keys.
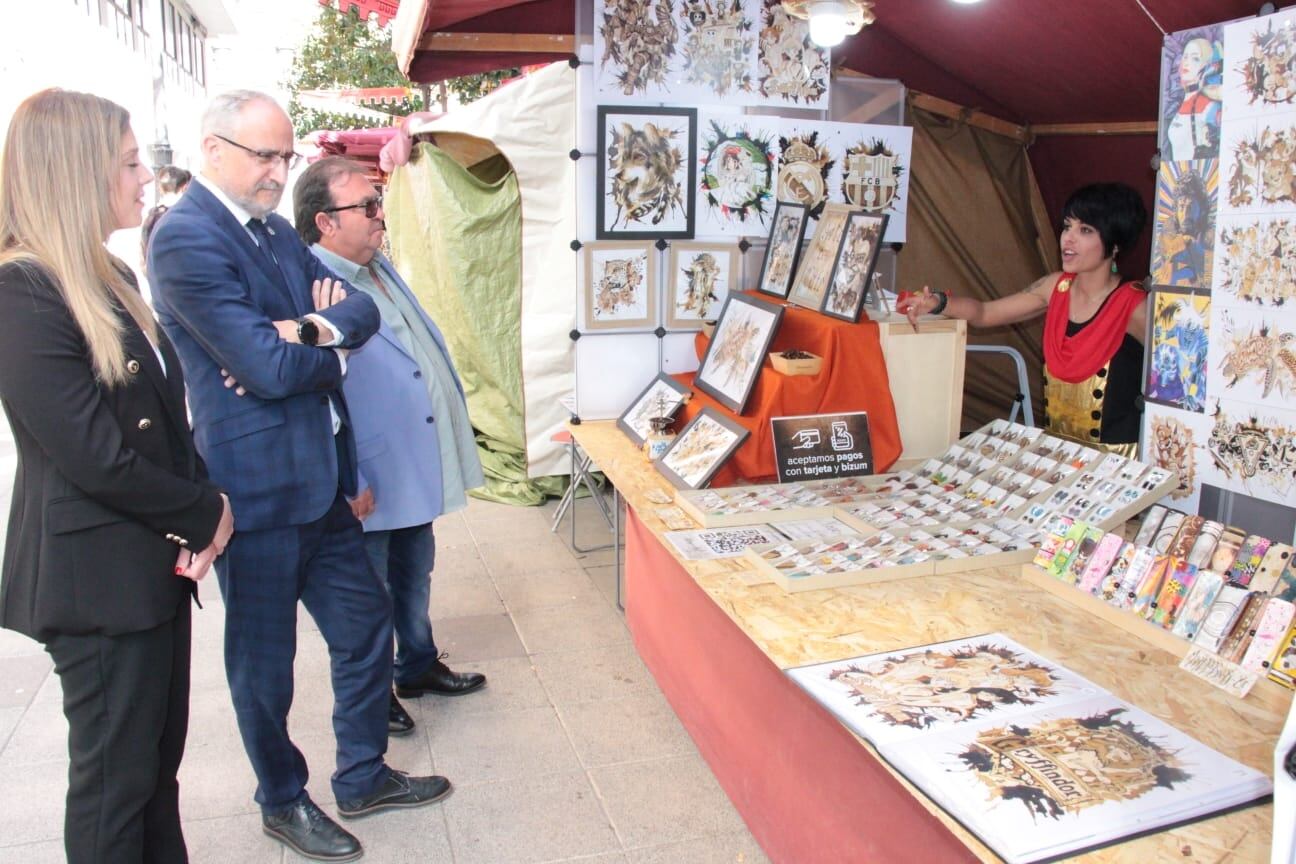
{"x": 1076, "y": 358}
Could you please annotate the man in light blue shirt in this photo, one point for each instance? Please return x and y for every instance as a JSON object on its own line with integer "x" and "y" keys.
{"x": 415, "y": 446}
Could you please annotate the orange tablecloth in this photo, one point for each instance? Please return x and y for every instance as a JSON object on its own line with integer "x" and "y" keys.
{"x": 853, "y": 378}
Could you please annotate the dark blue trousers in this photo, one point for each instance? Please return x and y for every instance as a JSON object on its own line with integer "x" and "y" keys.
{"x": 262, "y": 576}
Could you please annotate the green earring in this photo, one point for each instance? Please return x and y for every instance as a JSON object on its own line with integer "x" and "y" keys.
{"x": 1114, "y": 270}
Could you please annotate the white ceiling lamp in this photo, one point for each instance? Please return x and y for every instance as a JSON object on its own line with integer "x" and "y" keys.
{"x": 967, "y": 2}
{"x": 831, "y": 21}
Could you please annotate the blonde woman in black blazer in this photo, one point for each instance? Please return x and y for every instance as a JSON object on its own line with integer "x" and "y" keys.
{"x": 112, "y": 519}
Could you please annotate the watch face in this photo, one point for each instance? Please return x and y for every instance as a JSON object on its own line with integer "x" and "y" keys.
{"x": 308, "y": 332}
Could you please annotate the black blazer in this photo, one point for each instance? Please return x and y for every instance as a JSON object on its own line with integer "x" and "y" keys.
{"x": 108, "y": 488}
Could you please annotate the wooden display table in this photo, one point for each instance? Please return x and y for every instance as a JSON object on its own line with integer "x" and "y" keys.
{"x": 808, "y": 788}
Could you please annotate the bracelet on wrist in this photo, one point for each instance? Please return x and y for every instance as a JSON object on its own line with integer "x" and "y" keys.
{"x": 941, "y": 304}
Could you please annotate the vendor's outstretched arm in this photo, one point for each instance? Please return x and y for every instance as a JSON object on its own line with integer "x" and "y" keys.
{"x": 1022, "y": 306}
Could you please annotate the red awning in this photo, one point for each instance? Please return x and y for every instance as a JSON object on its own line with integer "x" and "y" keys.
{"x": 1047, "y": 61}
{"x": 384, "y": 9}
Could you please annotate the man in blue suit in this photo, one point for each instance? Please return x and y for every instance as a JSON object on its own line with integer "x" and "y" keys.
{"x": 416, "y": 447}
{"x": 262, "y": 330}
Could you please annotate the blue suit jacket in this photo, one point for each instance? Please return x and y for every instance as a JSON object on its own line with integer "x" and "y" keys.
{"x": 217, "y": 296}
{"x": 396, "y": 433}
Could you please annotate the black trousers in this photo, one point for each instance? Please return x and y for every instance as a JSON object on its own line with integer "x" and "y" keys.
{"x": 126, "y": 699}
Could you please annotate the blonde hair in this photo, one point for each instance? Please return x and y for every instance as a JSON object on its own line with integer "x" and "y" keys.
{"x": 57, "y": 179}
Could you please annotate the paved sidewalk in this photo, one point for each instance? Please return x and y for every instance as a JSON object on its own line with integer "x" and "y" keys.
{"x": 570, "y": 753}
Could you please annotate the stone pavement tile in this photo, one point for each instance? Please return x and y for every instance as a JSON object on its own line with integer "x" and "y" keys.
{"x": 633, "y": 729}
{"x": 537, "y": 588}
{"x": 41, "y": 736}
{"x": 664, "y": 801}
{"x": 528, "y": 819}
{"x": 457, "y": 598}
{"x": 604, "y": 579}
{"x": 21, "y": 677}
{"x": 606, "y": 858}
{"x": 46, "y": 852}
{"x": 31, "y": 803}
{"x": 480, "y": 748}
{"x": 17, "y": 645}
{"x": 51, "y": 690}
{"x": 519, "y": 523}
{"x": 594, "y": 674}
{"x": 458, "y": 561}
{"x": 505, "y": 558}
{"x": 585, "y": 624}
{"x": 735, "y": 848}
{"x": 451, "y": 530}
{"x": 227, "y": 839}
{"x": 597, "y": 558}
{"x": 477, "y": 637}
{"x": 211, "y": 715}
{"x": 511, "y": 685}
{"x": 9, "y": 718}
{"x": 417, "y": 836}
{"x": 408, "y": 753}
{"x": 216, "y": 778}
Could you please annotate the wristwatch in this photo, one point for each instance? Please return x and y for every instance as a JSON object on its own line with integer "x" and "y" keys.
{"x": 308, "y": 332}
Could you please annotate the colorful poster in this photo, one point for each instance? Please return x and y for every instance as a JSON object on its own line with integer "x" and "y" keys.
{"x": 736, "y": 171}
{"x": 1192, "y": 82}
{"x": 1180, "y": 324}
{"x": 1184, "y": 242}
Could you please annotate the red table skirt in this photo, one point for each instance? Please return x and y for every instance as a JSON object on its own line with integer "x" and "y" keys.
{"x": 807, "y": 788}
{"x": 853, "y": 378}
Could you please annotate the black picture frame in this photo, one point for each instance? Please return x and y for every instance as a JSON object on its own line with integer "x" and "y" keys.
{"x": 852, "y": 312}
{"x": 669, "y": 466}
{"x": 601, "y": 231}
{"x": 662, "y": 379}
{"x": 770, "y": 247}
{"x": 735, "y": 399}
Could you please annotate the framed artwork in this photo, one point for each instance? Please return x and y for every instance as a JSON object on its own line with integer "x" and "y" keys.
{"x": 1192, "y": 83}
{"x": 1180, "y": 328}
{"x": 701, "y": 277}
{"x": 787, "y": 230}
{"x": 737, "y": 350}
{"x": 737, "y": 173}
{"x": 662, "y": 398}
{"x": 620, "y": 286}
{"x": 700, "y": 449}
{"x": 1184, "y": 246}
{"x": 856, "y": 258}
{"x": 812, "y": 275}
{"x": 647, "y": 170}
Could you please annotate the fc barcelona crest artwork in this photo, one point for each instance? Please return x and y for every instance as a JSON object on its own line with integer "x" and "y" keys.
{"x": 717, "y": 41}
{"x": 804, "y": 163}
{"x": 873, "y": 173}
{"x": 792, "y": 67}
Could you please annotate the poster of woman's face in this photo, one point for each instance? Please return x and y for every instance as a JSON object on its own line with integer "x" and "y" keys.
{"x": 1192, "y": 75}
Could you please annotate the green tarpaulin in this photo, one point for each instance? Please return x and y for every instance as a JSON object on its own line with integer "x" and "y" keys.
{"x": 456, "y": 239}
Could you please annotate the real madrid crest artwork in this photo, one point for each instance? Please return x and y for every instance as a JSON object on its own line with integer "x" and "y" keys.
{"x": 646, "y": 171}
{"x": 804, "y": 164}
{"x": 736, "y": 175}
{"x": 791, "y": 66}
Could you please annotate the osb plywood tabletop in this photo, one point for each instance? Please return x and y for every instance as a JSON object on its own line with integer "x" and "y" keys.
{"x": 817, "y": 626}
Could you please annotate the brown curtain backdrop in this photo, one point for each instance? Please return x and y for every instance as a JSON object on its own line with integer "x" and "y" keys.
{"x": 978, "y": 228}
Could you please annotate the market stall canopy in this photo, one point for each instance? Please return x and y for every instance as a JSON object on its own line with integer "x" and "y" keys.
{"x": 1046, "y": 62}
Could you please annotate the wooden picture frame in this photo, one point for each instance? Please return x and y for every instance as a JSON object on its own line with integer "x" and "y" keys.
{"x": 737, "y": 350}
{"x": 852, "y": 271}
{"x": 634, "y": 420}
{"x": 690, "y": 274}
{"x": 700, "y": 449}
{"x": 782, "y": 252}
{"x": 660, "y": 145}
{"x": 810, "y": 287}
{"x": 613, "y": 268}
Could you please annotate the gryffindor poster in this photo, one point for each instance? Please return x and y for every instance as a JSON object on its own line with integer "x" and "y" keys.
{"x": 1036, "y": 761}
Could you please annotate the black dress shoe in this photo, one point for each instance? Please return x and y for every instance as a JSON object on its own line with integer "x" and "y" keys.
{"x": 439, "y": 679}
{"x": 397, "y": 791}
{"x": 308, "y": 831}
{"x": 399, "y": 722}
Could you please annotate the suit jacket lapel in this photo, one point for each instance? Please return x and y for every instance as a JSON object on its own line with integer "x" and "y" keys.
{"x": 225, "y": 219}
{"x": 169, "y": 387}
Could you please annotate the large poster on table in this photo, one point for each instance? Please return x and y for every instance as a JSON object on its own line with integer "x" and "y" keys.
{"x": 732, "y": 52}
{"x": 1222, "y": 322}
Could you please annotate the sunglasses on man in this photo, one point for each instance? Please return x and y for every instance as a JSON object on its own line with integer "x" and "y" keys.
{"x": 371, "y": 206}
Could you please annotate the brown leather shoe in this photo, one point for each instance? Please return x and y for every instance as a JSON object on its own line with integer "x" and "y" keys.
{"x": 440, "y": 680}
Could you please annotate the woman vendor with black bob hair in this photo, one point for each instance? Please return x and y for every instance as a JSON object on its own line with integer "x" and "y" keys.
{"x": 1094, "y": 321}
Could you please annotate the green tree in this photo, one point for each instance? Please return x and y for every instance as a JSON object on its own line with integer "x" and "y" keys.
{"x": 344, "y": 52}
